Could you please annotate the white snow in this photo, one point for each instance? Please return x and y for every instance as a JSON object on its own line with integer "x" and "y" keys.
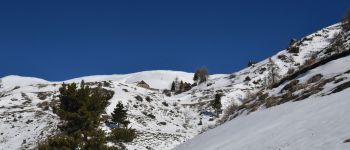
{"x": 13, "y": 80}
{"x": 315, "y": 124}
{"x": 158, "y": 79}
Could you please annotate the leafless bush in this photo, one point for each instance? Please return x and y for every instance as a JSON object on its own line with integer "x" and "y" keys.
{"x": 290, "y": 71}
{"x": 315, "y": 78}
{"x": 228, "y": 113}
{"x": 346, "y": 21}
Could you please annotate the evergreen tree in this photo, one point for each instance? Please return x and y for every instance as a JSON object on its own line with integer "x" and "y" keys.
{"x": 119, "y": 115}
{"x": 216, "y": 103}
{"x": 188, "y": 86}
{"x": 173, "y": 86}
{"x": 81, "y": 108}
{"x": 195, "y": 77}
{"x": 181, "y": 86}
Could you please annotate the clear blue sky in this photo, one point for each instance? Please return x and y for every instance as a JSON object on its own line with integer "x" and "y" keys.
{"x": 58, "y": 40}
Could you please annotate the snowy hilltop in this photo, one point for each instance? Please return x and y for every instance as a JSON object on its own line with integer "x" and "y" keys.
{"x": 296, "y": 99}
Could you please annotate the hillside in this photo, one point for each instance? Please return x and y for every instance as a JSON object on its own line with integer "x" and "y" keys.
{"x": 318, "y": 122}
{"x": 251, "y": 99}
{"x": 306, "y": 108}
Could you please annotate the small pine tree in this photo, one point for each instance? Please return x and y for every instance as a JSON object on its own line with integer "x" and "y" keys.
{"x": 195, "y": 77}
{"x": 119, "y": 115}
{"x": 181, "y": 86}
{"x": 173, "y": 86}
{"x": 216, "y": 103}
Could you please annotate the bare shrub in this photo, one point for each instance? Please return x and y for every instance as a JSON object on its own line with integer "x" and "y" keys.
{"x": 346, "y": 21}
{"x": 139, "y": 98}
{"x": 271, "y": 101}
{"x": 291, "y": 86}
{"x": 315, "y": 78}
{"x": 341, "y": 87}
{"x": 44, "y": 105}
{"x": 228, "y": 113}
{"x": 290, "y": 71}
{"x": 282, "y": 57}
{"x": 293, "y": 49}
{"x": 201, "y": 75}
{"x": 247, "y": 79}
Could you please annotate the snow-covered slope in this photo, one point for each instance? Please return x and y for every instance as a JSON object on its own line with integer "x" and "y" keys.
{"x": 318, "y": 122}
{"x": 309, "y": 110}
{"x": 26, "y": 116}
{"x": 161, "y": 123}
{"x": 12, "y": 81}
{"x": 158, "y": 79}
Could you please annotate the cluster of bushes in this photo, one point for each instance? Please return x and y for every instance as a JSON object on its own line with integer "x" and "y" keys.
{"x": 200, "y": 76}
{"x": 287, "y": 92}
{"x": 337, "y": 43}
{"x": 312, "y": 86}
{"x": 122, "y": 135}
{"x": 180, "y": 86}
{"x": 43, "y": 95}
{"x": 167, "y": 92}
{"x": 341, "y": 87}
{"x": 293, "y": 46}
{"x": 304, "y": 90}
{"x": 96, "y": 141}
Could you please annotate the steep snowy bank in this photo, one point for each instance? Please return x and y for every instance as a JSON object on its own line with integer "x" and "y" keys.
{"x": 320, "y": 123}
